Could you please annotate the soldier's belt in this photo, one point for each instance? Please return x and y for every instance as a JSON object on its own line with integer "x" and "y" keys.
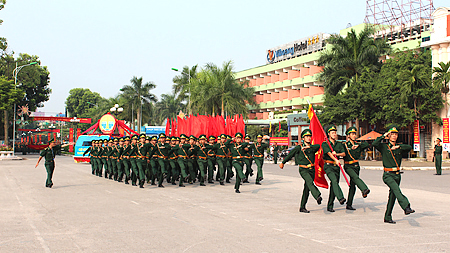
{"x": 125, "y": 157}
{"x": 201, "y": 157}
{"x": 258, "y": 156}
{"x": 104, "y": 156}
{"x": 155, "y": 156}
{"x": 173, "y": 158}
{"x": 182, "y": 156}
{"x": 392, "y": 169}
{"x": 212, "y": 155}
{"x": 309, "y": 166}
{"x": 162, "y": 157}
{"x": 351, "y": 162}
{"x": 221, "y": 156}
{"x": 113, "y": 157}
{"x": 330, "y": 162}
{"x": 237, "y": 157}
{"x": 133, "y": 156}
{"x": 141, "y": 157}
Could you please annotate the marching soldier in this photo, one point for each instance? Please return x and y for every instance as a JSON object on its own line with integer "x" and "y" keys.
{"x": 141, "y": 150}
{"x": 148, "y": 172}
{"x": 153, "y": 159}
{"x": 133, "y": 162}
{"x": 109, "y": 158}
{"x": 331, "y": 166}
{"x": 275, "y": 152}
{"x": 92, "y": 149}
{"x": 49, "y": 154}
{"x": 173, "y": 161}
{"x": 201, "y": 151}
{"x": 120, "y": 167}
{"x": 211, "y": 159}
{"x": 248, "y": 159}
{"x": 438, "y": 156}
{"x": 353, "y": 151}
{"x": 114, "y": 155}
{"x": 126, "y": 159}
{"x": 391, "y": 153}
{"x": 258, "y": 155}
{"x": 104, "y": 159}
{"x": 162, "y": 152}
{"x": 221, "y": 150}
{"x": 182, "y": 151}
{"x": 237, "y": 149}
{"x": 305, "y": 155}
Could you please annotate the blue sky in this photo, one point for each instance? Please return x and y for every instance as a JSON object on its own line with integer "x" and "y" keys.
{"x": 101, "y": 45}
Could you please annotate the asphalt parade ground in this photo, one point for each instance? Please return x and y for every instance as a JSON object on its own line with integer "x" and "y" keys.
{"x": 83, "y": 212}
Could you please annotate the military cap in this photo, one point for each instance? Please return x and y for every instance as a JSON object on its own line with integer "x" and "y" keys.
{"x": 183, "y": 136}
{"x": 111, "y": 140}
{"x": 116, "y": 139}
{"x": 122, "y": 139}
{"x": 127, "y": 138}
{"x": 173, "y": 138}
{"x": 154, "y": 137}
{"x": 229, "y": 137}
{"x": 147, "y": 137}
{"x": 192, "y": 137}
{"x": 178, "y": 138}
{"x": 239, "y": 135}
{"x": 51, "y": 140}
{"x": 162, "y": 135}
{"x": 223, "y": 136}
{"x": 134, "y": 137}
{"x": 351, "y": 130}
{"x": 212, "y": 137}
{"x": 142, "y": 136}
{"x": 306, "y": 132}
{"x": 439, "y": 139}
{"x": 105, "y": 140}
{"x": 247, "y": 137}
{"x": 392, "y": 129}
{"x": 202, "y": 137}
{"x": 259, "y": 136}
{"x": 331, "y": 128}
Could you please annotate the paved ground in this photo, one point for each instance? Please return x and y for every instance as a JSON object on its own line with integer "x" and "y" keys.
{"x": 87, "y": 213}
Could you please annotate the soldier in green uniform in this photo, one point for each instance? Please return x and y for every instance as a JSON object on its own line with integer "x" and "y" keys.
{"x": 438, "y": 156}
{"x": 353, "y": 151}
{"x": 141, "y": 151}
{"x": 148, "y": 172}
{"x": 182, "y": 152}
{"x": 109, "y": 158}
{"x": 153, "y": 159}
{"x": 275, "y": 153}
{"x": 173, "y": 161}
{"x": 237, "y": 149}
{"x": 201, "y": 150}
{"x": 134, "y": 169}
{"x": 258, "y": 155}
{"x": 162, "y": 152}
{"x": 113, "y": 158}
{"x": 105, "y": 151}
{"x": 92, "y": 153}
{"x": 248, "y": 160}
{"x": 211, "y": 159}
{"x": 126, "y": 159}
{"x": 229, "y": 164}
{"x": 120, "y": 167}
{"x": 305, "y": 156}
{"x": 331, "y": 166}
{"x": 221, "y": 150}
{"x": 391, "y": 154}
{"x": 49, "y": 154}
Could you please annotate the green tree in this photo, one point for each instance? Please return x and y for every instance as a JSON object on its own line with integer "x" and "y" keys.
{"x": 137, "y": 94}
{"x": 80, "y": 101}
{"x": 348, "y": 58}
{"x": 411, "y": 81}
{"x": 168, "y": 107}
{"x": 181, "y": 86}
{"x": 441, "y": 77}
{"x": 8, "y": 96}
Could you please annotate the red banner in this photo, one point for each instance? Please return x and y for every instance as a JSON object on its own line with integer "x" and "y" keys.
{"x": 65, "y": 119}
{"x": 78, "y": 132}
{"x": 70, "y": 139}
{"x": 49, "y": 136}
{"x": 54, "y": 136}
{"x": 445, "y": 127}
{"x": 40, "y": 130}
{"x": 281, "y": 141}
{"x": 416, "y": 135}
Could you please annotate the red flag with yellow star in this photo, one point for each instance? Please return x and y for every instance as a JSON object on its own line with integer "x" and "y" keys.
{"x": 318, "y": 136}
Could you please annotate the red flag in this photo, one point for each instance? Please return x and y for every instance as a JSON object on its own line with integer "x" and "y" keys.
{"x": 279, "y": 126}
{"x": 173, "y": 128}
{"x": 167, "y": 126}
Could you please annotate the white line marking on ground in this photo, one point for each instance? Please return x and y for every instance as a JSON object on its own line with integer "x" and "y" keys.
{"x": 202, "y": 207}
{"x": 297, "y": 235}
{"x": 233, "y": 216}
{"x": 317, "y": 241}
{"x": 340, "y": 247}
{"x": 134, "y": 202}
{"x": 108, "y": 191}
{"x": 259, "y": 224}
{"x": 246, "y": 220}
{"x": 223, "y": 213}
{"x": 277, "y": 229}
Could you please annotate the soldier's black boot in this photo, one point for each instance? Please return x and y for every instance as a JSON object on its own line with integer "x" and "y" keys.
{"x": 350, "y": 208}
{"x": 106, "y": 174}
{"x": 127, "y": 179}
{"x": 141, "y": 184}
{"x": 303, "y": 210}
{"x": 342, "y": 201}
{"x": 408, "y": 210}
{"x": 319, "y": 200}
{"x": 389, "y": 221}
{"x": 365, "y": 193}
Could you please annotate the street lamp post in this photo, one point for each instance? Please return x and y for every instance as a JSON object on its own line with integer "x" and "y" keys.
{"x": 189, "y": 80}
{"x": 15, "y": 72}
{"x": 116, "y": 109}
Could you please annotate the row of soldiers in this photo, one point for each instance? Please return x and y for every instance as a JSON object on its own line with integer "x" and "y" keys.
{"x": 350, "y": 151}
{"x": 183, "y": 159}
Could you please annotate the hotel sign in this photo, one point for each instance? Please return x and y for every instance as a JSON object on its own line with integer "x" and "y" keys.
{"x": 296, "y": 48}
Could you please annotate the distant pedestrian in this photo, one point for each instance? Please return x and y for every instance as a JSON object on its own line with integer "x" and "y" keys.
{"x": 49, "y": 154}
{"x": 438, "y": 156}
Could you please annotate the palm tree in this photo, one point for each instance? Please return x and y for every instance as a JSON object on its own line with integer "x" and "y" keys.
{"x": 348, "y": 58}
{"x": 224, "y": 94}
{"x": 442, "y": 76}
{"x": 412, "y": 80}
{"x": 181, "y": 82}
{"x": 168, "y": 107}
{"x": 137, "y": 94}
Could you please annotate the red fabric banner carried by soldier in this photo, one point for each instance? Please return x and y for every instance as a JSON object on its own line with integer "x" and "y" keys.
{"x": 168, "y": 127}
{"x": 318, "y": 136}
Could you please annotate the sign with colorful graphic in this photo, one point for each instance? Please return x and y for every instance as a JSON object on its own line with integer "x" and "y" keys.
{"x": 445, "y": 134}
{"x": 416, "y": 136}
{"x": 107, "y": 124}
{"x": 296, "y": 48}
{"x": 280, "y": 141}
{"x": 71, "y": 139}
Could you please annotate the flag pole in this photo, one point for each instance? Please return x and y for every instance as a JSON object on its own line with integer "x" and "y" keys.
{"x": 328, "y": 142}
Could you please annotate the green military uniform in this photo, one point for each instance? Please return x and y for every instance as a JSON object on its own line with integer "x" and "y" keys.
{"x": 392, "y": 160}
{"x": 211, "y": 161}
{"x": 173, "y": 162}
{"x": 332, "y": 170}
{"x": 248, "y": 160}
{"x": 119, "y": 164}
{"x": 105, "y": 150}
{"x": 98, "y": 159}
{"x": 305, "y": 159}
{"x": 221, "y": 158}
{"x": 162, "y": 152}
{"x": 229, "y": 170}
{"x": 201, "y": 151}
{"x": 113, "y": 155}
{"x": 182, "y": 152}
{"x": 49, "y": 156}
{"x": 236, "y": 151}
{"x": 91, "y": 150}
{"x": 351, "y": 167}
{"x": 133, "y": 162}
{"x": 126, "y": 160}
{"x": 141, "y": 151}
{"x": 275, "y": 154}
{"x": 258, "y": 156}
{"x": 438, "y": 158}
{"x": 109, "y": 159}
